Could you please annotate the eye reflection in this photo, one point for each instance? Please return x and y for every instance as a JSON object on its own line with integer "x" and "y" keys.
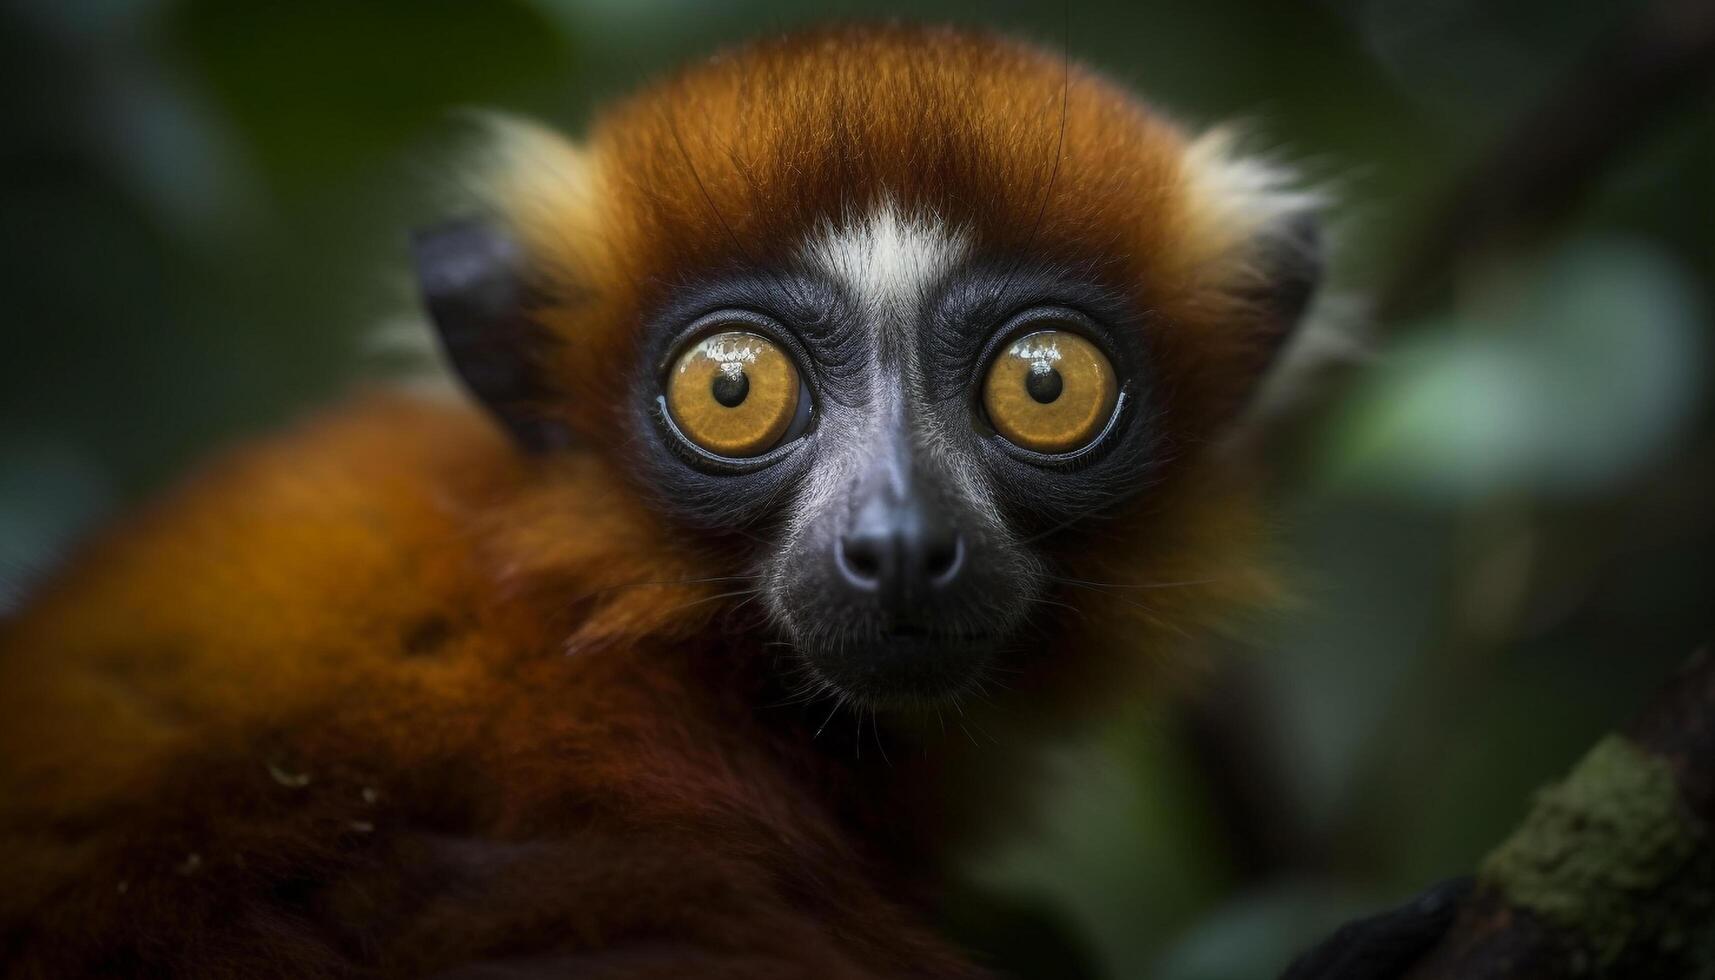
{"x": 733, "y": 393}
{"x": 1050, "y": 391}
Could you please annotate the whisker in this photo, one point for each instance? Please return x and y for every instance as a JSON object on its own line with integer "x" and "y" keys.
{"x": 711, "y": 598}
{"x": 875, "y": 729}
{"x": 1086, "y": 583}
{"x": 1153, "y": 615}
{"x": 1083, "y": 515}
{"x": 665, "y": 583}
{"x": 968, "y": 735}
{"x": 838, "y": 704}
{"x": 1038, "y": 601}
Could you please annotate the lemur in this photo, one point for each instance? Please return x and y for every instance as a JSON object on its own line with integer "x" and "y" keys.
{"x": 838, "y": 392}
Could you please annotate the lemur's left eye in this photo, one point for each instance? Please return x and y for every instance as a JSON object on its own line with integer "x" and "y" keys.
{"x": 1050, "y": 391}
{"x": 734, "y": 393}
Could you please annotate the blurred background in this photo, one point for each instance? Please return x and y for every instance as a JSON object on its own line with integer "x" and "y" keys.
{"x": 1499, "y": 526}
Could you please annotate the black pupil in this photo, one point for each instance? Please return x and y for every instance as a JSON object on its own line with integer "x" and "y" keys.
{"x": 1043, "y": 383}
{"x": 730, "y": 387}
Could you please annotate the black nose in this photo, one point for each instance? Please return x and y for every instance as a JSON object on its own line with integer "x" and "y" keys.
{"x": 903, "y": 550}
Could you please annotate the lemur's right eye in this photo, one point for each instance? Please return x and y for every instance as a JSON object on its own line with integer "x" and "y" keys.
{"x": 734, "y": 393}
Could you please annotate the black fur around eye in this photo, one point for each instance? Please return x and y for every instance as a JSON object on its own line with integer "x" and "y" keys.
{"x": 716, "y": 473}
{"x": 1050, "y": 453}
{"x": 987, "y": 309}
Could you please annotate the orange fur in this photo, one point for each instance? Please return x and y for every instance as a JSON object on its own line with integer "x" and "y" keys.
{"x": 320, "y": 668}
{"x": 740, "y": 157}
{"x": 382, "y": 696}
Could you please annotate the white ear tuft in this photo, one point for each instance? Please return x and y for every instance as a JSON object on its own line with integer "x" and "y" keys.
{"x": 1240, "y": 205}
{"x": 545, "y": 189}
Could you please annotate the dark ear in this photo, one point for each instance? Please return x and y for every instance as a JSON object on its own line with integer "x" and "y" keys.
{"x": 1290, "y": 269}
{"x": 471, "y": 278}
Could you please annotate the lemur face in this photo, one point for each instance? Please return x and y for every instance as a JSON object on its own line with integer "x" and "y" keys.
{"x": 908, "y": 326}
{"x": 902, "y": 422}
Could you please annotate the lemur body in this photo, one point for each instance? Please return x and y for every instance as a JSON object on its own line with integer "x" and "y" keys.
{"x": 403, "y": 692}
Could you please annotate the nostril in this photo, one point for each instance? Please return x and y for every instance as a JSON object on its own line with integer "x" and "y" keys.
{"x": 943, "y": 559}
{"x": 860, "y": 560}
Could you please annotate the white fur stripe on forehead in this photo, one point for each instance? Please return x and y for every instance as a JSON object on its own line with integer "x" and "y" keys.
{"x": 886, "y": 259}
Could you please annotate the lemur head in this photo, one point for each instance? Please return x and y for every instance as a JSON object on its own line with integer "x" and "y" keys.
{"x": 922, "y": 328}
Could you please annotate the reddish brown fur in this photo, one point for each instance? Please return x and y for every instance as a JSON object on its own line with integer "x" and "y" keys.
{"x": 382, "y": 696}
{"x": 742, "y": 156}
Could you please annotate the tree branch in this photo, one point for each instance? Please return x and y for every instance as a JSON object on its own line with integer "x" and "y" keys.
{"x": 1547, "y": 160}
{"x": 1613, "y": 872}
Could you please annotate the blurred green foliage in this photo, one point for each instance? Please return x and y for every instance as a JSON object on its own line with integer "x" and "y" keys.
{"x": 1503, "y": 539}
{"x": 1562, "y": 380}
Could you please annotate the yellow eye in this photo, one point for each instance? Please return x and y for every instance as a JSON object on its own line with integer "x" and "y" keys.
{"x": 1050, "y": 391}
{"x": 733, "y": 393}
